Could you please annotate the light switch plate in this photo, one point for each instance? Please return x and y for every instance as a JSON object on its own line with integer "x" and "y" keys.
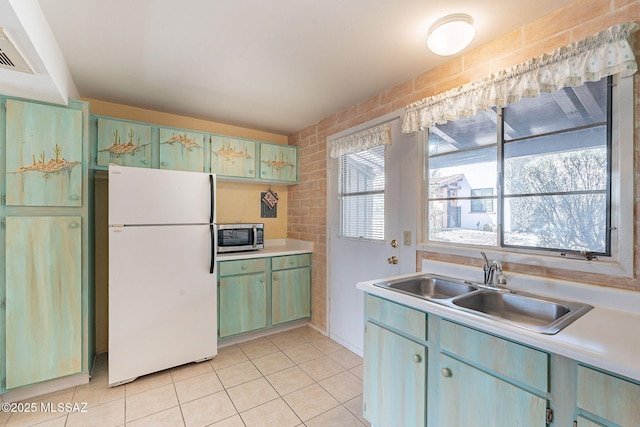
{"x": 407, "y": 237}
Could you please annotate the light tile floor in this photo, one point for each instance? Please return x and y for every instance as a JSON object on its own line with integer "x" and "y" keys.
{"x": 293, "y": 378}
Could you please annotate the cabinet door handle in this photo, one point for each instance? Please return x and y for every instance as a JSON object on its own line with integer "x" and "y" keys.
{"x": 244, "y": 266}
{"x": 250, "y": 170}
{"x": 74, "y": 197}
{"x": 262, "y": 280}
{"x": 74, "y": 224}
{"x": 164, "y": 163}
{"x": 275, "y": 277}
{"x": 145, "y": 162}
{"x": 446, "y": 372}
{"x": 416, "y": 358}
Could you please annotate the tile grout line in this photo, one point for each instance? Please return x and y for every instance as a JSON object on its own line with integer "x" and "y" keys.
{"x": 344, "y": 369}
{"x": 265, "y": 378}
{"x": 175, "y": 390}
{"x": 282, "y": 397}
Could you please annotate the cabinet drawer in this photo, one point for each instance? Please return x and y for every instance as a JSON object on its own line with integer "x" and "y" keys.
{"x": 608, "y": 397}
{"x": 399, "y": 317}
{"x": 511, "y": 360}
{"x": 290, "y": 261}
{"x": 242, "y": 266}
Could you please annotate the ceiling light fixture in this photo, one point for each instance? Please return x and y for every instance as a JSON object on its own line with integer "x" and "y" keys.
{"x": 450, "y": 34}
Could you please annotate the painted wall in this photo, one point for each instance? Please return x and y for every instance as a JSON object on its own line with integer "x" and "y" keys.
{"x": 307, "y": 201}
{"x": 237, "y": 202}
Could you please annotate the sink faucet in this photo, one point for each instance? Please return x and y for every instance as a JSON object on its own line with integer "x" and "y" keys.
{"x": 493, "y": 272}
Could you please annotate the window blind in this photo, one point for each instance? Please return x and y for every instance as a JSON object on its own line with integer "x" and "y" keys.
{"x": 361, "y": 194}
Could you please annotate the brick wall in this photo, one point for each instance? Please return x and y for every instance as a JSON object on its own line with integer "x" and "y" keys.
{"x": 307, "y": 218}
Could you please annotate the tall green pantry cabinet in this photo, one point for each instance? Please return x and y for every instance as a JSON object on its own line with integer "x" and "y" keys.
{"x": 46, "y": 251}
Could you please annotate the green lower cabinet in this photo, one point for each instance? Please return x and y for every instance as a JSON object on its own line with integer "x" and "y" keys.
{"x": 395, "y": 379}
{"x": 257, "y": 293}
{"x": 395, "y": 316}
{"x": 471, "y": 397}
{"x": 242, "y": 304}
{"x": 614, "y": 401}
{"x": 43, "y": 298}
{"x": 478, "y": 379}
{"x": 291, "y": 295}
{"x": 486, "y": 376}
{"x": 516, "y": 362}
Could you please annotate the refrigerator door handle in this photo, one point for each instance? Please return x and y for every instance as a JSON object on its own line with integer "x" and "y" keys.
{"x": 213, "y": 206}
{"x": 212, "y": 265}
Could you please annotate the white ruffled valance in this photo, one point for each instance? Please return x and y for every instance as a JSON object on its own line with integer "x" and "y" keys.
{"x": 363, "y": 140}
{"x": 603, "y": 54}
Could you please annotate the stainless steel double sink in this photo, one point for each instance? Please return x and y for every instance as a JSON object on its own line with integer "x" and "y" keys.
{"x": 535, "y": 313}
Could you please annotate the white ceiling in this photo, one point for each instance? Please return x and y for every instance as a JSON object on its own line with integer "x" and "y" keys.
{"x": 277, "y": 65}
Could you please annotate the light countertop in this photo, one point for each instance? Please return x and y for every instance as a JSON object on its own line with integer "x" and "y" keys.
{"x": 272, "y": 247}
{"x": 606, "y": 337}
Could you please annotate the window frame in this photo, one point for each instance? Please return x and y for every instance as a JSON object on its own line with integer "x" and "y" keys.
{"x": 620, "y": 261}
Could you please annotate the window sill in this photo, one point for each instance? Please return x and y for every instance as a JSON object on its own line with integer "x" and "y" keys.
{"x": 541, "y": 263}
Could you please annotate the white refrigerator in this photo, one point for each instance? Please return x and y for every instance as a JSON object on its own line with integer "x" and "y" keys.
{"x": 162, "y": 270}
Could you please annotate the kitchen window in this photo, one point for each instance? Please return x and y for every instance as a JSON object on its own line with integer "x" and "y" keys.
{"x": 361, "y": 190}
{"x": 549, "y": 165}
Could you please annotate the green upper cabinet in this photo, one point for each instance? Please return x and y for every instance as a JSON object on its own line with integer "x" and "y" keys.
{"x": 233, "y": 157}
{"x": 137, "y": 144}
{"x": 43, "y": 298}
{"x": 123, "y": 143}
{"x": 181, "y": 150}
{"x": 278, "y": 162}
{"x": 44, "y": 155}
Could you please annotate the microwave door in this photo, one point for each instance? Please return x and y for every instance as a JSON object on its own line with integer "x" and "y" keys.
{"x": 240, "y": 237}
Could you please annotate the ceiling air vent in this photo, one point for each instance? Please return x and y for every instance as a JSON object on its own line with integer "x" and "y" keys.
{"x": 10, "y": 58}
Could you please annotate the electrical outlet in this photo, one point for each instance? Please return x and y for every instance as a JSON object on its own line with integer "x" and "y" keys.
{"x": 407, "y": 238}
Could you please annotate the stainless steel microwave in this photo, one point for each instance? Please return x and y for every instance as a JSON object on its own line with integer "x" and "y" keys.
{"x": 240, "y": 237}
